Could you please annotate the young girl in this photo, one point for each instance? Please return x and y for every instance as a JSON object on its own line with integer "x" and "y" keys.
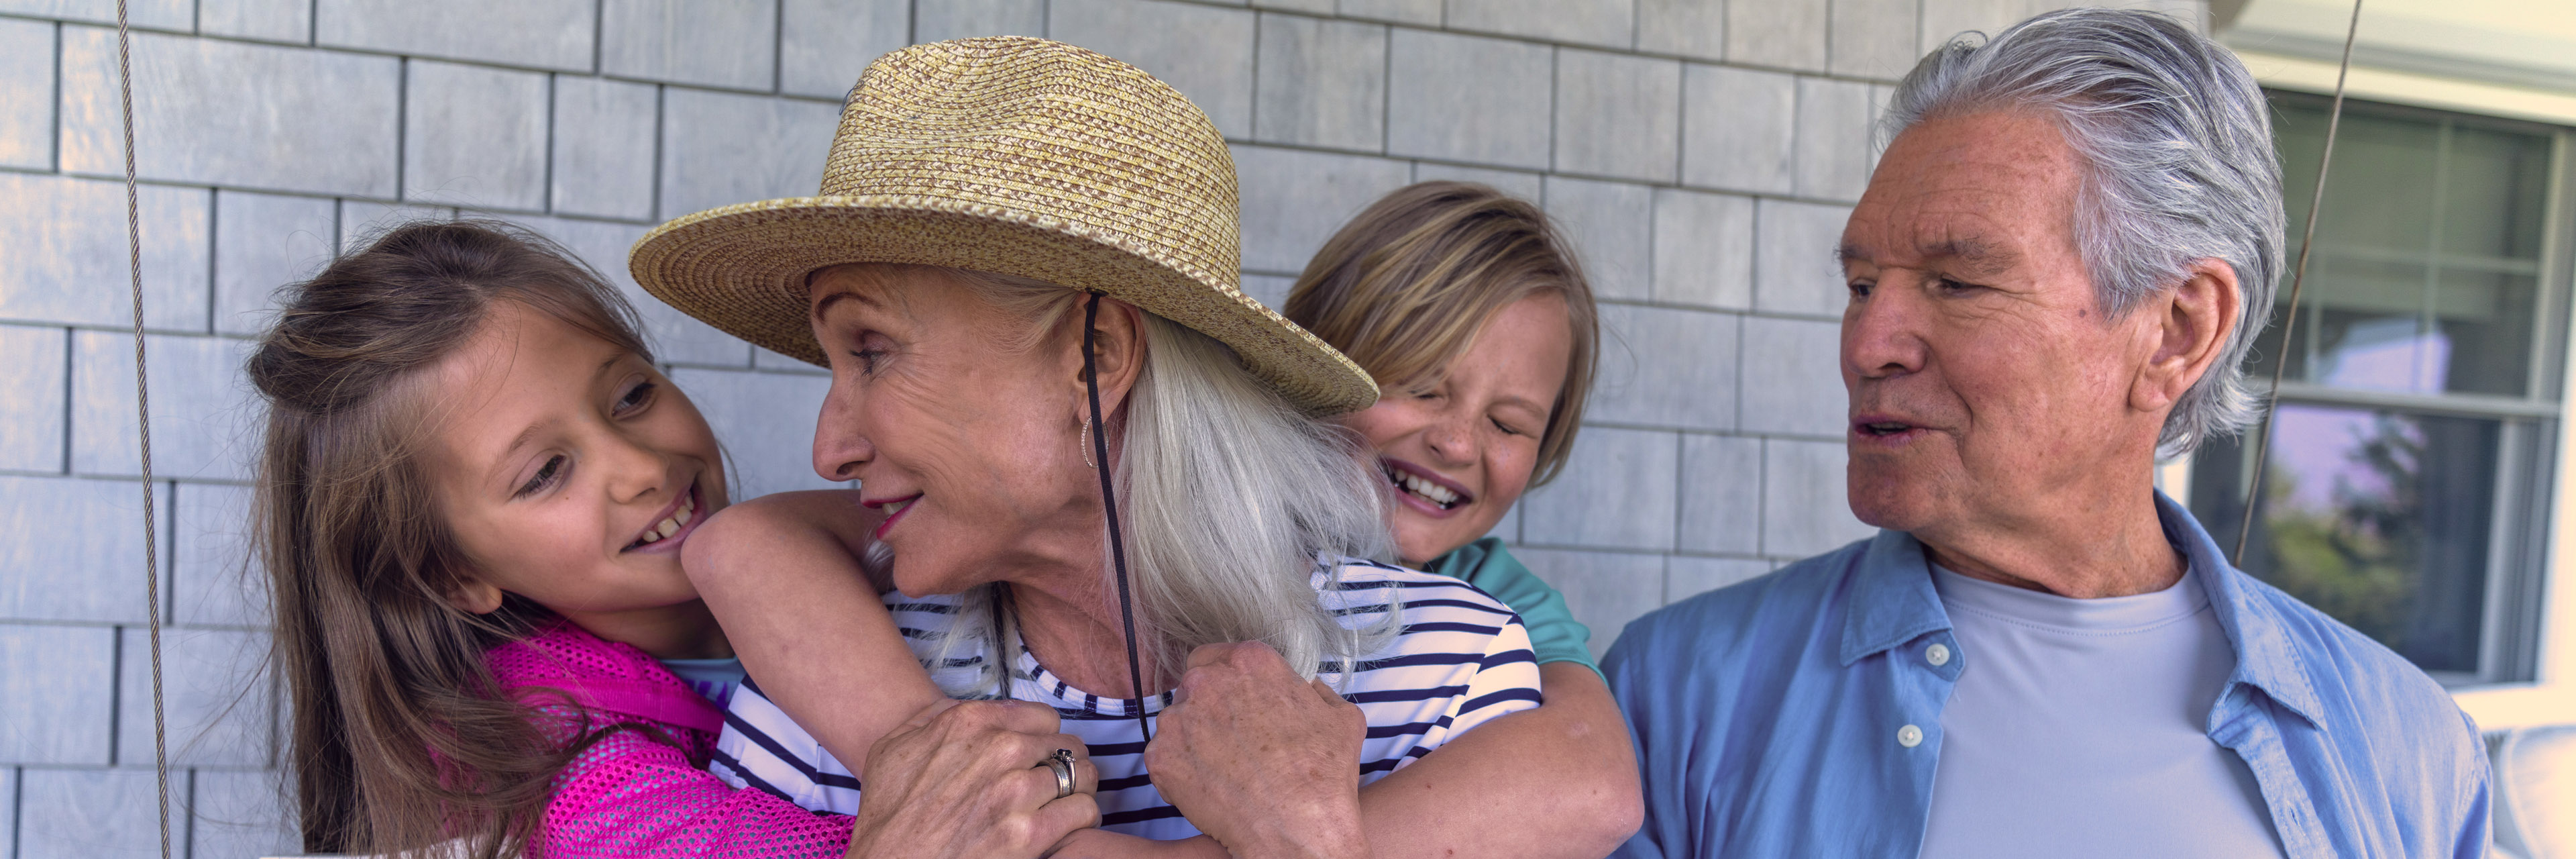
{"x": 1466, "y": 306}
{"x": 472, "y": 498}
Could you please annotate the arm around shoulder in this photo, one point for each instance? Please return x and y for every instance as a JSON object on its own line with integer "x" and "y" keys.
{"x": 783, "y": 575}
{"x": 1555, "y": 781}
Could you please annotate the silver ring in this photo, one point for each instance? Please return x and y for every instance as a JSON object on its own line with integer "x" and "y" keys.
{"x": 1062, "y": 763}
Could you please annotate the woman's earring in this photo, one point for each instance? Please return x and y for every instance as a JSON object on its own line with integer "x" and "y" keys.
{"x": 1086, "y": 445}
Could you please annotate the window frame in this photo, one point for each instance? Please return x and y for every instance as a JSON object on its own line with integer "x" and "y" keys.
{"x": 2522, "y": 548}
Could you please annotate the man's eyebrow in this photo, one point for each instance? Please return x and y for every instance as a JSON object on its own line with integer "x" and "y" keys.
{"x": 1977, "y": 258}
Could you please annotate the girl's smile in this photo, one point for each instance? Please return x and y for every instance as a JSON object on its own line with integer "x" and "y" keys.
{"x": 672, "y": 527}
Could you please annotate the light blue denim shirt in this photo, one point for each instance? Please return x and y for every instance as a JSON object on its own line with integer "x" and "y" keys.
{"x": 1797, "y": 714}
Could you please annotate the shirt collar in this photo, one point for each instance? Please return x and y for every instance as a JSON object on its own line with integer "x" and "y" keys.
{"x": 2265, "y": 657}
{"x": 1893, "y": 601}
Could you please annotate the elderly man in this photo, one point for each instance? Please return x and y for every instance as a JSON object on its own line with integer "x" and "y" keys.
{"x": 2055, "y": 274}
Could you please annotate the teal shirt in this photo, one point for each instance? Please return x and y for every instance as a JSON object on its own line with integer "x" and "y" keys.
{"x": 1554, "y": 633}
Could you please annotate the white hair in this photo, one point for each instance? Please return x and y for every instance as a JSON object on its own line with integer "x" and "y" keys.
{"x": 1230, "y": 498}
{"x": 2176, "y": 139}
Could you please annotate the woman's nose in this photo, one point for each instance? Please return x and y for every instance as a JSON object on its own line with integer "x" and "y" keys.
{"x": 839, "y": 449}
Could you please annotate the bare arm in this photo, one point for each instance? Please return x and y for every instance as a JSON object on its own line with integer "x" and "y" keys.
{"x": 782, "y": 575}
{"x": 1556, "y": 781}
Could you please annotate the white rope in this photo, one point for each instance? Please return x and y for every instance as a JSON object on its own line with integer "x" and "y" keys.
{"x": 2298, "y": 278}
{"x": 143, "y": 418}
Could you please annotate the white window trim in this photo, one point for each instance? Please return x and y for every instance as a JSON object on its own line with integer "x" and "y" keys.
{"x": 2556, "y": 107}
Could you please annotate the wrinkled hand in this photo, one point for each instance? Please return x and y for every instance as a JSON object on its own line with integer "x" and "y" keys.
{"x": 1104, "y": 844}
{"x": 1264, "y": 761}
{"x": 966, "y": 779}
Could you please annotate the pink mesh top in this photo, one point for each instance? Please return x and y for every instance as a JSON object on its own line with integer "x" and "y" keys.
{"x": 631, "y": 794}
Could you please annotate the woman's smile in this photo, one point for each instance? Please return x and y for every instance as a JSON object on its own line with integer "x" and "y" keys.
{"x": 894, "y": 509}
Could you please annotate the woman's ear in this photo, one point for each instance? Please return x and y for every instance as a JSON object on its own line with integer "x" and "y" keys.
{"x": 2190, "y": 326}
{"x": 475, "y": 596}
{"x": 1119, "y": 353}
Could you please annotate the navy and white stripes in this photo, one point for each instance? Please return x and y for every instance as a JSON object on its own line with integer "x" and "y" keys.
{"x": 1459, "y": 658}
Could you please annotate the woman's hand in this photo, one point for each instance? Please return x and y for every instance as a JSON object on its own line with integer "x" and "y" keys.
{"x": 1104, "y": 844}
{"x": 1261, "y": 759}
{"x": 968, "y": 779}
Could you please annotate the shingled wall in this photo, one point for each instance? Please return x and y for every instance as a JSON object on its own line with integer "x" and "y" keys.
{"x": 1703, "y": 152}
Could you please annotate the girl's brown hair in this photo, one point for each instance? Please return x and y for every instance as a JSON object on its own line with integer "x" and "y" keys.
{"x": 400, "y": 739}
{"x": 1404, "y": 287}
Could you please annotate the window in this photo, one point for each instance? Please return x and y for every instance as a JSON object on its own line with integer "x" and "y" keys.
{"x": 2408, "y": 479}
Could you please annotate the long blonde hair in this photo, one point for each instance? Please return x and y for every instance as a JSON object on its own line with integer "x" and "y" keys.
{"x": 1229, "y": 495}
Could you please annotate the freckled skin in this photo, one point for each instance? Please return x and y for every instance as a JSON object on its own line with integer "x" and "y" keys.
{"x": 1972, "y": 321}
{"x": 1479, "y": 426}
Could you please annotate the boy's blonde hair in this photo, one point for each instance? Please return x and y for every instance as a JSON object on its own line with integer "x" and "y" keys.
{"x": 1404, "y": 287}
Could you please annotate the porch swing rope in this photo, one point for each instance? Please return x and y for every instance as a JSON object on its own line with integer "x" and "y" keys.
{"x": 2298, "y": 278}
{"x": 143, "y": 423}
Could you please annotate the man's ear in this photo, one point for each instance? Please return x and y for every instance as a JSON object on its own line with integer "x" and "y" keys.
{"x": 2190, "y": 328}
{"x": 1118, "y": 349}
{"x": 475, "y": 596}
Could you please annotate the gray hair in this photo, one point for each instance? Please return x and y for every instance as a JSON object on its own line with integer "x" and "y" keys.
{"x": 2176, "y": 140}
{"x": 1230, "y": 497}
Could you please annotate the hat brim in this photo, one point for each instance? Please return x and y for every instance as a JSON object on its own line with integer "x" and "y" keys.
{"x": 742, "y": 269}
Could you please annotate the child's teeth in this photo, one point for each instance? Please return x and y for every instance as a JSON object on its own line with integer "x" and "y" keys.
{"x": 685, "y": 515}
{"x": 667, "y": 528}
{"x": 1422, "y": 487}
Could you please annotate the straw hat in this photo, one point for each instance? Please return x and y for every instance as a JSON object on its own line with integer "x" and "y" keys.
{"x": 1015, "y": 156}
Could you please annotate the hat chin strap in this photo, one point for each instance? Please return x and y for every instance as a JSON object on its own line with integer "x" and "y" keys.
{"x": 1109, "y": 506}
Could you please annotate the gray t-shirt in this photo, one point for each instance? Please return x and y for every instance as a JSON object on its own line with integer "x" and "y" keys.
{"x": 2078, "y": 728}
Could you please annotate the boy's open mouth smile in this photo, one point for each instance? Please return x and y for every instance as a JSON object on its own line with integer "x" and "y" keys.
{"x": 673, "y": 525}
{"x": 1418, "y": 488}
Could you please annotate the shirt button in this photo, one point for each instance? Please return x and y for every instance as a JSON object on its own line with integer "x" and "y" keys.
{"x": 1938, "y": 654}
{"x": 1909, "y": 736}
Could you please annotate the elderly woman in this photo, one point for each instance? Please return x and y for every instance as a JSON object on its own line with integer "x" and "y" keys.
{"x": 1093, "y": 463}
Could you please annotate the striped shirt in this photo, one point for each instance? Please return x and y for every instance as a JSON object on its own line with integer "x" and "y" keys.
{"x": 1458, "y": 659}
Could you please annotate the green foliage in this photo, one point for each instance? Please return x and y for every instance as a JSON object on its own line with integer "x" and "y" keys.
{"x": 2358, "y": 559}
